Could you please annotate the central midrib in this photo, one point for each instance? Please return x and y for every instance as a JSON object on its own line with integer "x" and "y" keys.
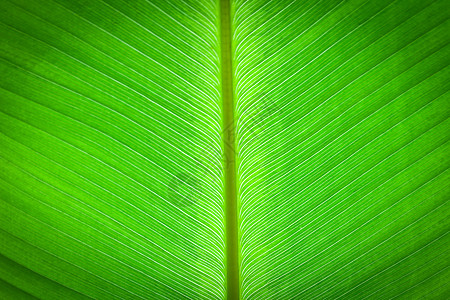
{"x": 229, "y": 166}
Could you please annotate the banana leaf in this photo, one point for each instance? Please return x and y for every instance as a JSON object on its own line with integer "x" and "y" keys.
{"x": 212, "y": 149}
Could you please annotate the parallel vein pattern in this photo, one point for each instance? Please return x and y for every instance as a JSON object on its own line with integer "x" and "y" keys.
{"x": 342, "y": 112}
{"x": 110, "y": 121}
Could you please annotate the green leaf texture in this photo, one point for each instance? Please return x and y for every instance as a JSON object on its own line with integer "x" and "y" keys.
{"x": 342, "y": 137}
{"x": 110, "y": 118}
{"x": 115, "y": 151}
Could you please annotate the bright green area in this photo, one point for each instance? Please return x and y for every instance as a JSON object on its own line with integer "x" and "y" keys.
{"x": 129, "y": 130}
{"x": 343, "y": 136}
{"x": 111, "y": 170}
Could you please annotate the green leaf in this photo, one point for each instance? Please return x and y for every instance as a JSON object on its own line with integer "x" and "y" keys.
{"x": 110, "y": 111}
{"x": 342, "y": 133}
{"x": 224, "y": 149}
